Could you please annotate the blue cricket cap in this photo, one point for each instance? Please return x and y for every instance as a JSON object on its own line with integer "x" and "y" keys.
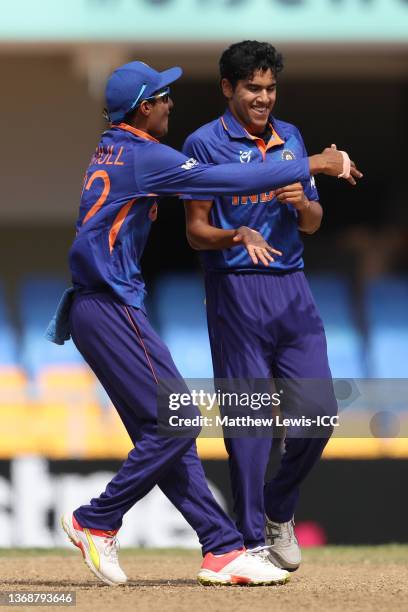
{"x": 131, "y": 83}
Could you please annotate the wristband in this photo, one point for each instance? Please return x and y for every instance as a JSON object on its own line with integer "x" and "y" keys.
{"x": 346, "y": 166}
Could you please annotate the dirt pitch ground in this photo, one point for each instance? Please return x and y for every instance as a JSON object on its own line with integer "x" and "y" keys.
{"x": 330, "y": 579}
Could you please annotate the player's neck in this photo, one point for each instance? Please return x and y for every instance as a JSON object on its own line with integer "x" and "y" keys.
{"x": 142, "y": 127}
{"x": 256, "y": 132}
{"x": 253, "y": 131}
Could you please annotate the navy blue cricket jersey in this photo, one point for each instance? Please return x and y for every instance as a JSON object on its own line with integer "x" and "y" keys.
{"x": 225, "y": 140}
{"x": 127, "y": 173}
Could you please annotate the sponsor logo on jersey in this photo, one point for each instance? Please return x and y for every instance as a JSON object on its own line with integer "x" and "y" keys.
{"x": 190, "y": 163}
{"x": 288, "y": 155}
{"x": 312, "y": 182}
{"x": 245, "y": 157}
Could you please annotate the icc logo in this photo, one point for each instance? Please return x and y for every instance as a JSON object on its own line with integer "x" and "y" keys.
{"x": 245, "y": 157}
{"x": 288, "y": 155}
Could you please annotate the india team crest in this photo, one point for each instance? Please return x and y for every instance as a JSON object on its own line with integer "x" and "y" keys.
{"x": 288, "y": 155}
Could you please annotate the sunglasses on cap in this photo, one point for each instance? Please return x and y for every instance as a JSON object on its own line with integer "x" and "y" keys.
{"x": 162, "y": 95}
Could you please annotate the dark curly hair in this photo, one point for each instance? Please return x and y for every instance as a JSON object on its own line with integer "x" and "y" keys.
{"x": 241, "y": 60}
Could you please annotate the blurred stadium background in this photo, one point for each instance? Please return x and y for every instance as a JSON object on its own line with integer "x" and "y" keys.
{"x": 345, "y": 81}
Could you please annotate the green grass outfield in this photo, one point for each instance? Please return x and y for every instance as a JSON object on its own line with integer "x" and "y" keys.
{"x": 395, "y": 553}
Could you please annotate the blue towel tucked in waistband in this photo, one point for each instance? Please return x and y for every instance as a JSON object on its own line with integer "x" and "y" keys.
{"x": 58, "y": 328}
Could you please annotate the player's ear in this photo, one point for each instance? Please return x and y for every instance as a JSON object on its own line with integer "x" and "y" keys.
{"x": 145, "y": 108}
{"x": 227, "y": 88}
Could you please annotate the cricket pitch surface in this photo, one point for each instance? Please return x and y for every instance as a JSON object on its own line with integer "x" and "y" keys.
{"x": 342, "y": 579}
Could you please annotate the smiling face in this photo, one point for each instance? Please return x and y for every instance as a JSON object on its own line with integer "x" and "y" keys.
{"x": 252, "y": 100}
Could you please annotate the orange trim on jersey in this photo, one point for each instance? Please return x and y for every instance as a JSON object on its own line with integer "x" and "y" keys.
{"x": 118, "y": 222}
{"x": 224, "y": 124}
{"x": 102, "y": 174}
{"x": 274, "y": 141}
{"x": 261, "y": 146}
{"x": 135, "y": 131}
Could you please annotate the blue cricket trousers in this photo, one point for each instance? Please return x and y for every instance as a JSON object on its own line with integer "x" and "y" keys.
{"x": 266, "y": 326}
{"x": 129, "y": 358}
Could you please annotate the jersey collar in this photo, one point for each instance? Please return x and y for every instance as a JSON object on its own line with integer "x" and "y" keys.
{"x": 236, "y": 130}
{"x": 135, "y": 131}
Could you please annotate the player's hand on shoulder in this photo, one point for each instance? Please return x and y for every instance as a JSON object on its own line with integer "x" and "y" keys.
{"x": 258, "y": 249}
{"x": 293, "y": 194}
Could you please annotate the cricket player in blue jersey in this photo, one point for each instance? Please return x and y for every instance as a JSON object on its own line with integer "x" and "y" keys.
{"x": 262, "y": 319}
{"x": 129, "y": 170}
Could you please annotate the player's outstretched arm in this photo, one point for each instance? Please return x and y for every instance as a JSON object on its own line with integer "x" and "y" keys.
{"x": 164, "y": 171}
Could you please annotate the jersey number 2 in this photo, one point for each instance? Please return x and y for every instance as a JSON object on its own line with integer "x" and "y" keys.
{"x": 98, "y": 174}
{"x": 122, "y": 214}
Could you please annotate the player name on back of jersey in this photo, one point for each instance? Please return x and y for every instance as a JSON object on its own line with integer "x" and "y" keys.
{"x": 108, "y": 155}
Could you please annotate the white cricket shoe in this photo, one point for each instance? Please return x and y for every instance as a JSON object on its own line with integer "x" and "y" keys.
{"x": 239, "y": 567}
{"x": 99, "y": 549}
{"x": 282, "y": 545}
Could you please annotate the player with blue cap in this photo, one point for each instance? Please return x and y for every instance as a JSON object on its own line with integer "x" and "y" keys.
{"x": 134, "y": 82}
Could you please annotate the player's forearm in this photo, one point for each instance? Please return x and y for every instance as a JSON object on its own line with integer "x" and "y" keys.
{"x": 203, "y": 237}
{"x": 310, "y": 218}
{"x": 225, "y": 179}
